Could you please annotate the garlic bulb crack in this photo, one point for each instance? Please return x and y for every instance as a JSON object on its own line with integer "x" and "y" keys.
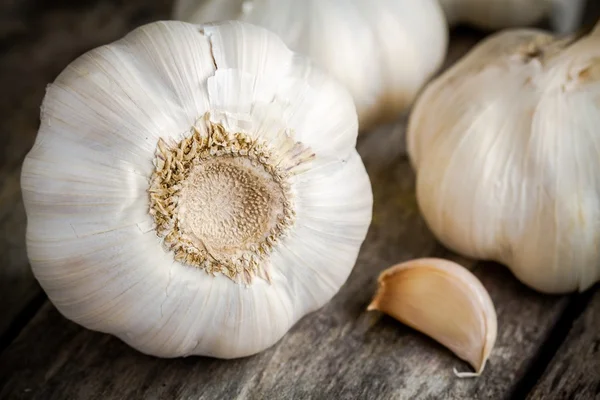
{"x": 194, "y": 190}
{"x": 383, "y": 51}
{"x": 507, "y": 168}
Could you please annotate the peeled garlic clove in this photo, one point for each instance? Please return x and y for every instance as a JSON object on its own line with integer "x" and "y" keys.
{"x": 444, "y": 301}
{"x": 507, "y": 169}
{"x": 382, "y": 51}
{"x": 194, "y": 190}
{"x": 565, "y": 15}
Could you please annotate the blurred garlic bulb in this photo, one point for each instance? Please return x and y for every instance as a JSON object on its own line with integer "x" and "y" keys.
{"x": 505, "y": 144}
{"x": 382, "y": 51}
{"x": 194, "y": 190}
{"x": 564, "y": 15}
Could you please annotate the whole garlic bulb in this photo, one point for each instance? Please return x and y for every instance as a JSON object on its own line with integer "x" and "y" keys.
{"x": 382, "y": 51}
{"x": 564, "y": 15}
{"x": 194, "y": 190}
{"x": 506, "y": 149}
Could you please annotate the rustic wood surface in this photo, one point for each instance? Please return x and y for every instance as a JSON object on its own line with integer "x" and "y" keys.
{"x": 340, "y": 351}
{"x": 574, "y": 373}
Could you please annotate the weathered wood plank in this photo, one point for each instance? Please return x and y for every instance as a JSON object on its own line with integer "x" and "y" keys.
{"x": 574, "y": 372}
{"x": 17, "y": 286}
{"x": 37, "y": 40}
{"x": 592, "y": 13}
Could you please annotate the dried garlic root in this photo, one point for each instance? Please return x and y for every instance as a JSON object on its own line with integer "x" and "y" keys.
{"x": 443, "y": 300}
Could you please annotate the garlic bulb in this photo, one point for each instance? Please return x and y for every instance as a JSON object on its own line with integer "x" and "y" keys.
{"x": 445, "y": 301}
{"x": 564, "y": 15}
{"x": 505, "y": 144}
{"x": 382, "y": 51}
{"x": 194, "y": 190}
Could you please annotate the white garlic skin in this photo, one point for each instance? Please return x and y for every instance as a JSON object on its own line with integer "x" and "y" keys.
{"x": 383, "y": 51}
{"x": 505, "y": 145}
{"x": 90, "y": 237}
{"x": 564, "y": 15}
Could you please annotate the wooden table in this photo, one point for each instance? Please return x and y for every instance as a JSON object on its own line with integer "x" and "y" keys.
{"x": 548, "y": 347}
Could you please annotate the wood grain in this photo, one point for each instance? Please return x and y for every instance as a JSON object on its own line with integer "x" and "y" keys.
{"x": 574, "y": 373}
{"x": 17, "y": 286}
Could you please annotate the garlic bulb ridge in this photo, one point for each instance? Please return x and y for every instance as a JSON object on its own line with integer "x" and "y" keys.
{"x": 382, "y": 51}
{"x": 194, "y": 190}
{"x": 507, "y": 169}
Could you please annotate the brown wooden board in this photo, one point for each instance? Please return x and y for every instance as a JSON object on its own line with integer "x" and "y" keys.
{"x": 17, "y": 286}
{"x": 574, "y": 372}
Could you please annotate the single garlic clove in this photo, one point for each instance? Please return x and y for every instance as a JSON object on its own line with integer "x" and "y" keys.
{"x": 444, "y": 301}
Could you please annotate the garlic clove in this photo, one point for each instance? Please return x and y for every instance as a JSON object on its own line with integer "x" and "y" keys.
{"x": 444, "y": 301}
{"x": 267, "y": 60}
{"x": 308, "y": 99}
{"x": 326, "y": 106}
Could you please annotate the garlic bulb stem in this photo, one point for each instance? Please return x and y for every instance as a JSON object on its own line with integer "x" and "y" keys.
{"x": 221, "y": 201}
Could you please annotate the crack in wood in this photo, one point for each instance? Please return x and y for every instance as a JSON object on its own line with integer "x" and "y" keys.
{"x": 576, "y": 305}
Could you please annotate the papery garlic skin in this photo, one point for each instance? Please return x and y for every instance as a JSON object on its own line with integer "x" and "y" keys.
{"x": 505, "y": 145}
{"x": 382, "y": 51}
{"x": 443, "y": 300}
{"x": 564, "y": 15}
{"x": 91, "y": 239}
